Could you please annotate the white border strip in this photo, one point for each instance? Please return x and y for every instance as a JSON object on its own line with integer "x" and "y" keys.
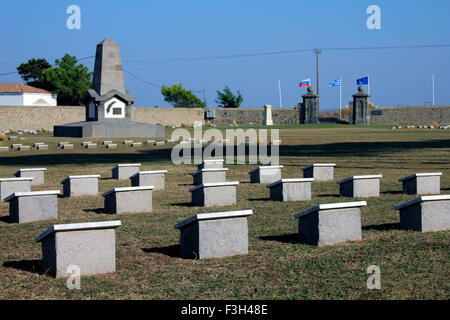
{"x": 422, "y": 199}
{"x": 266, "y": 167}
{"x": 216, "y": 184}
{"x": 300, "y": 180}
{"x": 420, "y": 175}
{"x": 126, "y": 189}
{"x": 16, "y": 179}
{"x": 77, "y": 226}
{"x": 211, "y": 216}
{"x": 32, "y": 194}
{"x": 375, "y": 176}
{"x": 331, "y": 206}
{"x": 91, "y": 176}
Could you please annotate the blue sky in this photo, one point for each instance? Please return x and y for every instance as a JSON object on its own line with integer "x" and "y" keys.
{"x": 158, "y": 29}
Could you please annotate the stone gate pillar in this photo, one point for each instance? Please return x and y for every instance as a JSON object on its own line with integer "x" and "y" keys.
{"x": 268, "y": 115}
{"x": 360, "y": 114}
{"x": 308, "y": 109}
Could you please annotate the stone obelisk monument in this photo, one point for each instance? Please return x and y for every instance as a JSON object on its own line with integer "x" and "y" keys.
{"x": 108, "y": 73}
{"x": 108, "y": 103}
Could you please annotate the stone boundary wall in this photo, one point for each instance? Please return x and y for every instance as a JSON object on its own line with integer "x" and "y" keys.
{"x": 255, "y": 116}
{"x": 35, "y": 118}
{"x": 168, "y": 116}
{"x": 420, "y": 115}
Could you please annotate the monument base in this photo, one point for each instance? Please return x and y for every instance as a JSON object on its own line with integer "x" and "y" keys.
{"x": 108, "y": 129}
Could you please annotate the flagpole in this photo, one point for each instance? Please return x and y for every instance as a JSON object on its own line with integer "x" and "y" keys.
{"x": 340, "y": 99}
{"x": 368, "y": 84}
{"x": 279, "y": 91}
{"x": 432, "y": 78}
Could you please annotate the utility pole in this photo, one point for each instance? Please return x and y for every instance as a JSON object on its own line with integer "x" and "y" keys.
{"x": 279, "y": 91}
{"x": 432, "y": 83}
{"x": 204, "y": 96}
{"x": 317, "y": 52}
{"x": 340, "y": 98}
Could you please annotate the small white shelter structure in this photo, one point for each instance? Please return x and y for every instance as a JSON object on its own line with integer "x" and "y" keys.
{"x": 20, "y": 94}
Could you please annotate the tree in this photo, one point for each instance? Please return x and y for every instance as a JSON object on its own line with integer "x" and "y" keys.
{"x": 69, "y": 80}
{"x": 227, "y": 99}
{"x": 32, "y": 71}
{"x": 180, "y": 97}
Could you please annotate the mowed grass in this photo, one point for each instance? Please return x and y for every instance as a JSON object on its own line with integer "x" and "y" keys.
{"x": 413, "y": 265}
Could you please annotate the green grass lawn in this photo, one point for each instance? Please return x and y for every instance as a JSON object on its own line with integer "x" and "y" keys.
{"x": 413, "y": 265}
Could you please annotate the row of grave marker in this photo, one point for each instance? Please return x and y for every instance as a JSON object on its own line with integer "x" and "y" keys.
{"x": 85, "y": 144}
{"x": 210, "y": 183}
{"x": 64, "y": 145}
{"x": 339, "y": 222}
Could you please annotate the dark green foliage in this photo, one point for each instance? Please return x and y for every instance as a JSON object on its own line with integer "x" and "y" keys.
{"x": 32, "y": 71}
{"x": 227, "y": 99}
{"x": 179, "y": 97}
{"x": 69, "y": 80}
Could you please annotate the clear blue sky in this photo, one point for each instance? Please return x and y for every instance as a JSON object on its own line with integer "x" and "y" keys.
{"x": 159, "y": 29}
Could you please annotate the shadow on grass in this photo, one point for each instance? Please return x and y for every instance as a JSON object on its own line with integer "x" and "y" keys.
{"x": 335, "y": 195}
{"x": 183, "y": 204}
{"x": 5, "y": 219}
{"x": 82, "y": 159}
{"x": 383, "y": 227}
{"x": 285, "y": 238}
{"x": 392, "y": 192}
{"x": 96, "y": 210}
{"x": 350, "y": 149}
{"x": 185, "y": 184}
{"x": 259, "y": 199}
{"x": 33, "y": 266}
{"x": 171, "y": 251}
{"x": 329, "y": 150}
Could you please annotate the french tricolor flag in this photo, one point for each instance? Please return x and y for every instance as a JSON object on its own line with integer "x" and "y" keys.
{"x": 305, "y": 83}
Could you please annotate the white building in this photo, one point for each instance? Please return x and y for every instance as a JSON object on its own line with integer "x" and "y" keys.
{"x": 19, "y": 94}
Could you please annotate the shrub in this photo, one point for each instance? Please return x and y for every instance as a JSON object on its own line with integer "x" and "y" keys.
{"x": 180, "y": 97}
{"x": 43, "y": 130}
{"x": 2, "y": 136}
{"x": 227, "y": 99}
{"x": 234, "y": 122}
{"x": 435, "y": 125}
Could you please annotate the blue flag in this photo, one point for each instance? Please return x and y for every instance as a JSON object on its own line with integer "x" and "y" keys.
{"x": 362, "y": 81}
{"x": 336, "y": 83}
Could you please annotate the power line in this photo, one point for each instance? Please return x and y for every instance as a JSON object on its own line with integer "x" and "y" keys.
{"x": 4, "y": 74}
{"x": 53, "y": 65}
{"x": 246, "y": 55}
{"x": 85, "y": 58}
{"x": 391, "y": 47}
{"x": 149, "y": 83}
{"x": 140, "y": 79}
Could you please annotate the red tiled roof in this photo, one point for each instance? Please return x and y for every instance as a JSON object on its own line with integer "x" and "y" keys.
{"x": 20, "y": 88}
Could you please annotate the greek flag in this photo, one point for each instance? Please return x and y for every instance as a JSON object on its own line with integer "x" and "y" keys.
{"x": 336, "y": 83}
